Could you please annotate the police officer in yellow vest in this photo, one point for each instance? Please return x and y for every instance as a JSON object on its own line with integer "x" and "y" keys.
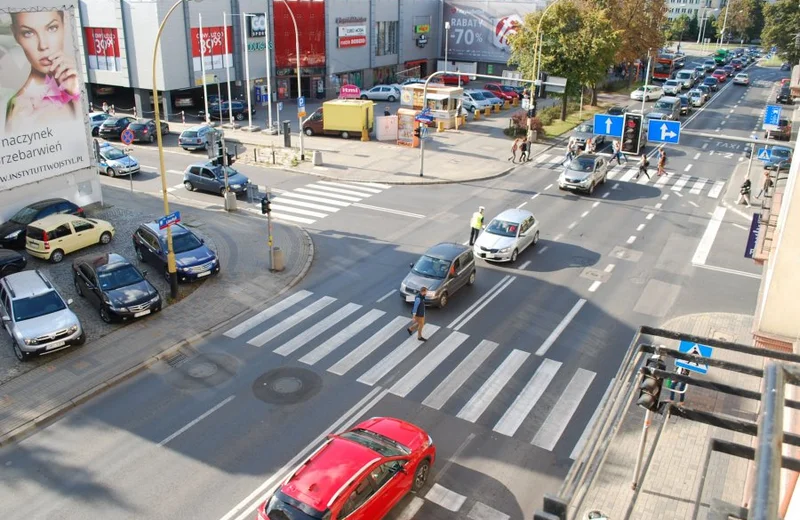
{"x": 476, "y": 224}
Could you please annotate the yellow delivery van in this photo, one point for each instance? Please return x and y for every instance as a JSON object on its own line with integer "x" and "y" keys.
{"x": 344, "y": 117}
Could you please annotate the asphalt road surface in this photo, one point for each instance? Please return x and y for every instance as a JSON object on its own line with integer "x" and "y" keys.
{"x": 507, "y": 384}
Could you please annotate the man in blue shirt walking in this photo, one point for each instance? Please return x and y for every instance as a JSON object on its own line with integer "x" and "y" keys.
{"x": 418, "y": 314}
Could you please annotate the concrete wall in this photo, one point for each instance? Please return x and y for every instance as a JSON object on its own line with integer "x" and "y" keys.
{"x": 348, "y": 58}
{"x": 418, "y": 12}
{"x": 105, "y": 14}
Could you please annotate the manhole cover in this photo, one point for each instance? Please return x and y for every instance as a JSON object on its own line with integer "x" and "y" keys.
{"x": 202, "y": 369}
{"x": 289, "y": 385}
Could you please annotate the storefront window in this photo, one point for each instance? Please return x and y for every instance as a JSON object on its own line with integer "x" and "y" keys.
{"x": 386, "y": 38}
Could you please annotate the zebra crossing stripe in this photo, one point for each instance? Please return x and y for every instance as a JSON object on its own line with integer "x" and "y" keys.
{"x": 628, "y": 175}
{"x": 276, "y": 330}
{"x": 318, "y": 193}
{"x": 292, "y": 218}
{"x": 487, "y": 393}
{"x": 542, "y": 158}
{"x": 481, "y": 511}
{"x": 385, "y": 365}
{"x": 320, "y": 327}
{"x": 527, "y": 399}
{"x": 678, "y": 186}
{"x": 428, "y": 364}
{"x": 349, "y": 186}
{"x": 293, "y": 195}
{"x": 698, "y": 186}
{"x": 615, "y": 171}
{"x": 280, "y": 208}
{"x": 341, "y": 337}
{"x": 662, "y": 180}
{"x": 412, "y": 508}
{"x": 716, "y": 189}
{"x": 371, "y": 184}
{"x": 564, "y": 409}
{"x": 266, "y": 314}
{"x": 344, "y": 365}
{"x": 460, "y": 375}
{"x": 283, "y": 201}
{"x": 445, "y": 498}
{"x": 352, "y": 193}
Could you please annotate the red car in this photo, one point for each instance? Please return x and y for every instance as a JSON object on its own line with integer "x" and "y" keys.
{"x": 502, "y": 91}
{"x": 452, "y": 79}
{"x": 720, "y": 74}
{"x": 360, "y": 474}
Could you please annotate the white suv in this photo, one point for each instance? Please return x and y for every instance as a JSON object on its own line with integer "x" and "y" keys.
{"x": 36, "y": 317}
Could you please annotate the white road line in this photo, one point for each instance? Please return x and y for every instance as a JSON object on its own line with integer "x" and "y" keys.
{"x": 631, "y": 239}
{"x": 317, "y": 329}
{"x": 605, "y": 195}
{"x": 595, "y": 203}
{"x": 512, "y": 419}
{"x": 665, "y": 196}
{"x": 266, "y": 314}
{"x": 740, "y": 226}
{"x": 488, "y": 392}
{"x": 453, "y": 382}
{"x": 177, "y": 172}
{"x": 698, "y": 186}
{"x": 209, "y": 412}
{"x": 542, "y": 158}
{"x": 644, "y": 179}
{"x": 560, "y": 328}
{"x": 678, "y": 186}
{"x": 317, "y": 193}
{"x": 521, "y": 205}
{"x": 704, "y": 247}
{"x": 548, "y": 186}
{"x": 694, "y": 204}
{"x": 662, "y": 181}
{"x": 359, "y": 353}
{"x": 349, "y": 186}
{"x": 583, "y": 215}
{"x": 542, "y": 250}
{"x": 658, "y": 205}
{"x": 301, "y": 315}
{"x": 465, "y": 315}
{"x": 729, "y": 271}
{"x": 395, "y": 357}
{"x": 557, "y": 237}
{"x": 292, "y": 218}
{"x": 535, "y": 195}
{"x": 481, "y": 511}
{"x": 718, "y": 129}
{"x": 679, "y": 194}
{"x": 326, "y": 189}
{"x": 649, "y": 216}
{"x": 382, "y": 298}
{"x": 572, "y": 225}
{"x": 696, "y": 156}
{"x": 609, "y": 268}
{"x": 556, "y": 161}
{"x": 442, "y": 496}
{"x": 564, "y": 409}
{"x": 300, "y": 204}
{"x": 628, "y": 175}
{"x": 371, "y": 185}
{"x": 595, "y": 285}
{"x": 412, "y": 508}
{"x": 524, "y": 265}
{"x": 388, "y": 210}
{"x": 716, "y": 189}
{"x": 281, "y": 208}
{"x": 640, "y": 227}
{"x": 732, "y": 110}
{"x": 428, "y": 364}
{"x": 342, "y": 337}
{"x": 705, "y": 145}
{"x": 576, "y": 451}
{"x": 688, "y": 167}
{"x": 300, "y": 196}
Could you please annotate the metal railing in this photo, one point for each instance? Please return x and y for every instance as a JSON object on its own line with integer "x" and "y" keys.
{"x": 769, "y": 218}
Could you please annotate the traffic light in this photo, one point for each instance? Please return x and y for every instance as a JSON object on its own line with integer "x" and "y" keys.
{"x": 418, "y": 131}
{"x": 532, "y": 110}
{"x": 650, "y": 388}
{"x": 265, "y": 209}
{"x": 632, "y": 133}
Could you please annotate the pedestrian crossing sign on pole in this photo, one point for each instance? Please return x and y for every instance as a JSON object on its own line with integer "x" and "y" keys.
{"x": 694, "y": 349}
{"x": 764, "y": 154}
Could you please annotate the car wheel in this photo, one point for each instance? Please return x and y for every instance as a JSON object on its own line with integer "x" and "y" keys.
{"x": 152, "y": 138}
{"x": 591, "y": 189}
{"x": 443, "y": 300}
{"x": 105, "y": 238}
{"x": 139, "y": 255}
{"x": 391, "y": 99}
{"x": 222, "y": 191}
{"x": 95, "y": 132}
{"x": 57, "y": 256}
{"x": 364, "y": 96}
{"x": 536, "y": 238}
{"x": 514, "y": 255}
{"x": 239, "y": 116}
{"x": 22, "y": 356}
{"x": 421, "y": 475}
{"x": 605, "y": 177}
{"x": 78, "y": 288}
{"x": 110, "y": 172}
{"x": 188, "y": 185}
{"x": 471, "y": 280}
{"x": 104, "y": 315}
{"x": 81, "y": 339}
{"x": 309, "y": 132}
{"x": 345, "y": 135}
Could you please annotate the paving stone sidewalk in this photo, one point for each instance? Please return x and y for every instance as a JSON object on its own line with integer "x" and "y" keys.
{"x": 244, "y": 283}
{"x": 672, "y": 480}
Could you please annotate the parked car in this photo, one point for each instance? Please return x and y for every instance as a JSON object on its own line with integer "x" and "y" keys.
{"x": 144, "y": 130}
{"x": 53, "y": 237}
{"x": 112, "y": 161}
{"x": 195, "y": 138}
{"x": 686, "y": 104}
{"x": 388, "y": 93}
{"x": 697, "y": 97}
{"x": 782, "y": 133}
{"x": 779, "y": 156}
{"x": 114, "y": 126}
{"x": 95, "y": 120}
{"x": 617, "y": 110}
{"x": 784, "y": 96}
{"x": 584, "y": 173}
{"x": 11, "y": 262}
{"x": 494, "y": 100}
{"x": 473, "y": 100}
{"x": 223, "y": 112}
{"x": 507, "y": 235}
{"x": 652, "y": 92}
{"x": 116, "y": 288}
{"x": 502, "y": 91}
{"x": 12, "y": 232}
{"x": 193, "y": 257}
{"x": 584, "y": 132}
{"x": 786, "y": 66}
{"x": 741, "y": 79}
{"x": 360, "y": 474}
{"x": 35, "y": 315}
{"x": 452, "y": 79}
{"x": 443, "y": 269}
{"x": 672, "y": 87}
{"x": 713, "y": 82}
{"x": 210, "y": 177}
{"x": 720, "y": 75}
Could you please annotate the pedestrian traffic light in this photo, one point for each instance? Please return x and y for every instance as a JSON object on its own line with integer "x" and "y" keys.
{"x": 632, "y": 133}
{"x": 418, "y": 132}
{"x": 265, "y": 203}
{"x": 650, "y": 387}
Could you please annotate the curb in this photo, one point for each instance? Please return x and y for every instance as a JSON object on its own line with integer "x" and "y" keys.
{"x": 46, "y": 418}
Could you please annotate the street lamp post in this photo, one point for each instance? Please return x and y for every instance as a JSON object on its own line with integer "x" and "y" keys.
{"x": 202, "y": 69}
{"x": 724, "y": 24}
{"x": 227, "y": 68}
{"x": 299, "y": 84}
{"x": 247, "y": 71}
{"x": 171, "y": 267}
{"x": 646, "y": 77}
{"x": 446, "y": 41}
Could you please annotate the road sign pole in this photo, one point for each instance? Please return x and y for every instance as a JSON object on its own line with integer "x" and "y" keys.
{"x": 753, "y": 152}
{"x": 128, "y": 150}
{"x": 640, "y": 454}
{"x": 269, "y": 236}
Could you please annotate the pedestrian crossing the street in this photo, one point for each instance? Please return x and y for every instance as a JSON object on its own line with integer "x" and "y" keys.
{"x": 453, "y": 372}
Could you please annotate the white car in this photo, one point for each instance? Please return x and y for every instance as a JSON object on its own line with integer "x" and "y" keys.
{"x": 741, "y": 79}
{"x": 388, "y": 93}
{"x": 473, "y": 100}
{"x": 507, "y": 235}
{"x": 672, "y": 87}
{"x": 95, "y": 120}
{"x": 697, "y": 97}
{"x": 653, "y": 92}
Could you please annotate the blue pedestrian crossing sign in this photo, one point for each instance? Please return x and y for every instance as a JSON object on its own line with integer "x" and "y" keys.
{"x": 772, "y": 115}
{"x": 764, "y": 154}
{"x": 606, "y": 124}
{"x": 663, "y": 131}
{"x": 695, "y": 349}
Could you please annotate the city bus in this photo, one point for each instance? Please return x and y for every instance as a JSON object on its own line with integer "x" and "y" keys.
{"x": 665, "y": 67}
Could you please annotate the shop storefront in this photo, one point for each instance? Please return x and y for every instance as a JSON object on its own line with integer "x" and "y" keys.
{"x": 310, "y": 18}
{"x": 384, "y": 75}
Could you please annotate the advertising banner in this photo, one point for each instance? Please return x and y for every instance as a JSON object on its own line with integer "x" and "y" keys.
{"x": 256, "y": 26}
{"x": 102, "y": 48}
{"x": 43, "y": 132}
{"x": 479, "y": 30}
{"x": 213, "y": 42}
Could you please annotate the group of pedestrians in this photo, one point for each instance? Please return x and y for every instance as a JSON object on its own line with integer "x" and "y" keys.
{"x": 644, "y": 163}
{"x": 522, "y": 145}
{"x": 744, "y": 190}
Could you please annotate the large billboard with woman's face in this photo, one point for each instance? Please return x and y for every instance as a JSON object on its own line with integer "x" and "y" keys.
{"x": 42, "y": 115}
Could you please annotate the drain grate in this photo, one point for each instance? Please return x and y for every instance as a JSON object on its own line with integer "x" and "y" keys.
{"x": 177, "y": 359}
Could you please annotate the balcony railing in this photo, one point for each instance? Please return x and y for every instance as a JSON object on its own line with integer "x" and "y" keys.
{"x": 770, "y": 210}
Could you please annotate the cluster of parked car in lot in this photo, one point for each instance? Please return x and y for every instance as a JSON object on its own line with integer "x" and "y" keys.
{"x": 33, "y": 311}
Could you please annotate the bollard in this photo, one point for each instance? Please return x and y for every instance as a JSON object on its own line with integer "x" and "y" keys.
{"x": 287, "y": 134}
{"x": 364, "y": 134}
{"x": 496, "y": 108}
{"x": 515, "y": 102}
{"x": 183, "y": 117}
{"x": 440, "y": 126}
{"x": 506, "y": 105}
{"x": 487, "y": 112}
{"x": 317, "y": 158}
{"x": 277, "y": 258}
{"x": 477, "y": 114}
{"x": 463, "y": 120}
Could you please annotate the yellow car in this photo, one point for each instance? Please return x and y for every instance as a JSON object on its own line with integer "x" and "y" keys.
{"x": 53, "y": 237}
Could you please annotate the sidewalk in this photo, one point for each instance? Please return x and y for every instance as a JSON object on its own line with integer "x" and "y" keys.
{"x": 36, "y": 397}
{"x": 670, "y": 484}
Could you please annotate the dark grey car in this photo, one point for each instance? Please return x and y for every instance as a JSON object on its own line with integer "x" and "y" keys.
{"x": 586, "y": 131}
{"x": 443, "y": 269}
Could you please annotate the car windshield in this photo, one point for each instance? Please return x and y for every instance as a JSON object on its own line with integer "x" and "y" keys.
{"x": 710, "y": 81}
{"x": 122, "y": 276}
{"x": 780, "y": 152}
{"x": 111, "y": 121}
{"x": 189, "y": 133}
{"x": 35, "y": 306}
{"x": 183, "y": 242}
{"x": 477, "y": 96}
{"x": 503, "y": 227}
{"x": 113, "y": 153}
{"x": 431, "y": 267}
{"x": 376, "y": 442}
{"x": 663, "y": 104}
{"x": 585, "y": 128}
{"x": 25, "y": 216}
{"x": 488, "y": 95}
{"x": 507, "y": 88}
{"x": 136, "y": 126}
{"x": 661, "y": 67}
{"x": 582, "y": 164}
{"x": 283, "y": 507}
{"x": 671, "y": 83}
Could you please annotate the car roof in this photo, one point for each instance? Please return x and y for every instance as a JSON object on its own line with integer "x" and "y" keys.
{"x": 327, "y": 471}
{"x": 103, "y": 262}
{"x": 446, "y": 250}
{"x": 196, "y": 128}
{"x": 515, "y": 214}
{"x": 45, "y": 203}
{"x": 29, "y": 283}
{"x": 52, "y": 221}
{"x": 176, "y": 228}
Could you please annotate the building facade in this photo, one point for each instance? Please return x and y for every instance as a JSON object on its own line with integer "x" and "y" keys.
{"x": 692, "y": 8}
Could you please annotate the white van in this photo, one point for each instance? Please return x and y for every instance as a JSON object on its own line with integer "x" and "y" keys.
{"x": 669, "y": 107}
{"x": 686, "y": 77}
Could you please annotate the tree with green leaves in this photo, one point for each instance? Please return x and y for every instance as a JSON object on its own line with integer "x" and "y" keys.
{"x": 781, "y": 26}
{"x": 745, "y": 19}
{"x": 678, "y": 27}
{"x": 579, "y": 43}
{"x": 694, "y": 28}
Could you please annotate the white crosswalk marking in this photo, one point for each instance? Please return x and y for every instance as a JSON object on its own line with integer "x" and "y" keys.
{"x": 341, "y": 337}
{"x": 301, "y": 204}
{"x": 412, "y": 508}
{"x": 266, "y": 314}
{"x": 292, "y": 218}
{"x": 320, "y": 327}
{"x": 564, "y": 409}
{"x": 344, "y": 365}
{"x": 716, "y": 189}
{"x": 613, "y": 172}
{"x": 576, "y": 451}
{"x": 349, "y": 186}
{"x": 283, "y": 208}
{"x": 542, "y": 158}
{"x": 293, "y": 195}
{"x": 385, "y": 365}
{"x": 527, "y": 399}
{"x": 318, "y": 193}
{"x": 698, "y": 186}
{"x": 662, "y": 181}
{"x": 642, "y": 179}
{"x": 460, "y": 375}
{"x": 628, "y": 175}
{"x": 555, "y": 161}
{"x": 276, "y": 330}
{"x": 481, "y": 511}
{"x": 487, "y": 393}
{"x": 442, "y": 496}
{"x": 428, "y": 364}
{"x": 678, "y": 186}
{"x": 338, "y": 191}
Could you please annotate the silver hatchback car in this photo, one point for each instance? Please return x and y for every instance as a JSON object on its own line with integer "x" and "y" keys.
{"x": 507, "y": 235}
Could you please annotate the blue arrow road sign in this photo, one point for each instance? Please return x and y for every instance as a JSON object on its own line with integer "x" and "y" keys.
{"x": 172, "y": 218}
{"x": 301, "y": 102}
{"x": 772, "y": 115}
{"x": 662, "y": 131}
{"x": 606, "y": 124}
{"x": 764, "y": 154}
{"x": 695, "y": 349}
